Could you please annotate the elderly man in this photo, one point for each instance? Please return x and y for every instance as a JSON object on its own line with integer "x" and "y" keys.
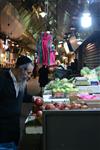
{"x": 12, "y": 93}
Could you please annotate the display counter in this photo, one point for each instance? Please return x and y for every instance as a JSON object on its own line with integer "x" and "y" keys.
{"x": 64, "y": 122}
{"x": 57, "y": 123}
{"x": 62, "y": 127}
{"x": 72, "y": 130}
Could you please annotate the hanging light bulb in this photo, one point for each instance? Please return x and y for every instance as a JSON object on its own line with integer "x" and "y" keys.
{"x": 86, "y": 20}
{"x": 43, "y": 11}
{"x": 5, "y": 45}
{"x": 43, "y": 14}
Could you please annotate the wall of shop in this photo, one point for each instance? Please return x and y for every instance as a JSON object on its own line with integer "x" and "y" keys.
{"x": 89, "y": 52}
{"x": 92, "y": 54}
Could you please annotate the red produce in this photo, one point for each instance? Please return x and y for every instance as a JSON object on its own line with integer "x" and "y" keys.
{"x": 38, "y": 101}
{"x": 68, "y": 105}
{"x": 60, "y": 106}
{"x": 49, "y": 106}
{"x": 74, "y": 106}
{"x": 39, "y": 113}
{"x": 79, "y": 105}
{"x": 55, "y": 104}
{"x": 36, "y": 108}
{"x": 84, "y": 106}
{"x": 66, "y": 108}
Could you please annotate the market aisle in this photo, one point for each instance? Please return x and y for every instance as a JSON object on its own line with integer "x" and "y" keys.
{"x": 33, "y": 86}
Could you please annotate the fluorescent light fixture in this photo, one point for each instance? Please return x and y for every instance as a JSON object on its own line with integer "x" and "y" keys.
{"x": 79, "y": 42}
{"x": 2, "y": 55}
{"x": 60, "y": 42}
{"x": 59, "y": 45}
{"x": 5, "y": 46}
{"x": 86, "y": 20}
{"x": 43, "y": 14}
{"x": 48, "y": 32}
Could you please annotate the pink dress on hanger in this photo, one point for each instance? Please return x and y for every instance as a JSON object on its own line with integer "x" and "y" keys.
{"x": 46, "y": 48}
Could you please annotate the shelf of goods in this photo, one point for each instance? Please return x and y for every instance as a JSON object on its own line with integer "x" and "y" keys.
{"x": 84, "y": 102}
{"x": 69, "y": 108}
{"x": 83, "y": 98}
{"x": 80, "y": 101}
{"x": 62, "y": 127}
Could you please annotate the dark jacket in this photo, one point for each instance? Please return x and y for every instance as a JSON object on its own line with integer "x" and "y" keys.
{"x": 43, "y": 76}
{"x": 10, "y": 108}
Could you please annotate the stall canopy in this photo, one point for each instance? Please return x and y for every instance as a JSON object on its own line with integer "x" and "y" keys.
{"x": 11, "y": 24}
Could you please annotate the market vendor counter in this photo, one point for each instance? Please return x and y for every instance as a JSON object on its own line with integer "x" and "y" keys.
{"x": 61, "y": 130}
{"x": 72, "y": 128}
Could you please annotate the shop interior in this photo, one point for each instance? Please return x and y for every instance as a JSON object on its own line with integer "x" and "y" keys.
{"x": 63, "y": 36}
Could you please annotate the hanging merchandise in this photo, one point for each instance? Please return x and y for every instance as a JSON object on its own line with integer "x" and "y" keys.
{"x": 52, "y": 55}
{"x": 39, "y": 49}
{"x": 45, "y": 49}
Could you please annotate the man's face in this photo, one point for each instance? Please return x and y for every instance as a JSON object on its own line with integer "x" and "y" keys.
{"x": 25, "y": 71}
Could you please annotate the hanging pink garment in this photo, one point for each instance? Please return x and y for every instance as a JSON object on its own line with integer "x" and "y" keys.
{"x": 46, "y": 46}
{"x": 45, "y": 49}
{"x": 52, "y": 57}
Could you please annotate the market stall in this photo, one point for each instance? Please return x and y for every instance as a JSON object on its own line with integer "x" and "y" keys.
{"x": 69, "y": 109}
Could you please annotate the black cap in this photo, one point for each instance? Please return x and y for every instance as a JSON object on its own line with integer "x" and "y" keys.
{"x": 22, "y": 60}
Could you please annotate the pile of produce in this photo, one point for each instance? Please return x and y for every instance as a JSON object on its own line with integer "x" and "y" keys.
{"x": 62, "y": 87}
{"x": 85, "y": 71}
{"x": 39, "y": 106}
{"x": 91, "y": 74}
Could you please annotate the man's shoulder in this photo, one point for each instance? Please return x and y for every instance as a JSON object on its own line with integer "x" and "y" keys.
{"x": 4, "y": 72}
